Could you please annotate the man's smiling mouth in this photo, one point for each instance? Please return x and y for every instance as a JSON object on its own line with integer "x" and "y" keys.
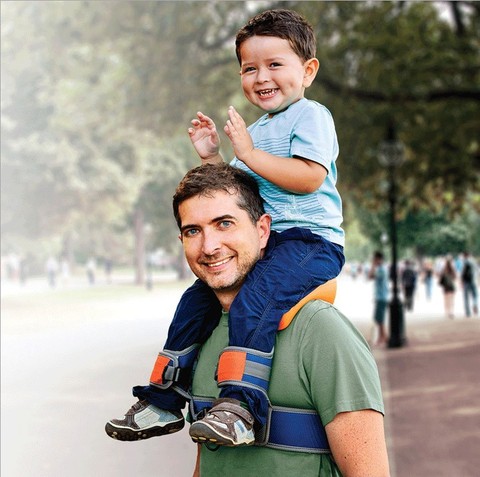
{"x": 219, "y": 263}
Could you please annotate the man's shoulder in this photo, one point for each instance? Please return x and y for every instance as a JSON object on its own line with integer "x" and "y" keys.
{"x": 315, "y": 315}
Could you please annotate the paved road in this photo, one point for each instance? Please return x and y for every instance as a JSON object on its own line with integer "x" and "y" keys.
{"x": 65, "y": 371}
{"x": 68, "y": 367}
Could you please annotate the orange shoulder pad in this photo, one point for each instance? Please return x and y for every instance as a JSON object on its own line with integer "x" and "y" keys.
{"x": 325, "y": 292}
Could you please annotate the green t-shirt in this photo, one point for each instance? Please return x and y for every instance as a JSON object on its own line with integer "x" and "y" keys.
{"x": 321, "y": 362}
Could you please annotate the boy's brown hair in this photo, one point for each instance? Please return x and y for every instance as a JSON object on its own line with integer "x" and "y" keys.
{"x": 285, "y": 24}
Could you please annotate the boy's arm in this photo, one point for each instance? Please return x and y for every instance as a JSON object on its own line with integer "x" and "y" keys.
{"x": 294, "y": 174}
{"x": 205, "y": 139}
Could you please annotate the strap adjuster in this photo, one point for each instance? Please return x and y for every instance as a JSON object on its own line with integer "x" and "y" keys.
{"x": 173, "y": 367}
{"x": 244, "y": 367}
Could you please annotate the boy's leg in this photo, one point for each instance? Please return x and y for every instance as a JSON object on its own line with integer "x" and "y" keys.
{"x": 158, "y": 410}
{"x": 196, "y": 316}
{"x": 295, "y": 263}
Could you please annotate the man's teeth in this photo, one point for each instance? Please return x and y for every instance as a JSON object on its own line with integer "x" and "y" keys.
{"x": 217, "y": 264}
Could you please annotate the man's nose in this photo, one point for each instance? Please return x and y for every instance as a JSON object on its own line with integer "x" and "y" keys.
{"x": 211, "y": 243}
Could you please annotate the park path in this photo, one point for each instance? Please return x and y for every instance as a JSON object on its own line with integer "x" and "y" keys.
{"x": 68, "y": 365}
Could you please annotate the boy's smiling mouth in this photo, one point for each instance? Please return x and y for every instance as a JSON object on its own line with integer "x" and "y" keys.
{"x": 266, "y": 93}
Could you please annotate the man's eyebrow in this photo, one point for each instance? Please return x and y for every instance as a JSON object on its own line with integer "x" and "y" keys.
{"x": 213, "y": 221}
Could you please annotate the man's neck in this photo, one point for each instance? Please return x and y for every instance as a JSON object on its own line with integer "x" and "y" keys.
{"x": 226, "y": 299}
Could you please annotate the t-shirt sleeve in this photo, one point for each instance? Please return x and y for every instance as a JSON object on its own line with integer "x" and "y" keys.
{"x": 314, "y": 136}
{"x": 339, "y": 368}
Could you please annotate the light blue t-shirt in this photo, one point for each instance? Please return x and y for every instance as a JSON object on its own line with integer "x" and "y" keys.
{"x": 381, "y": 283}
{"x": 305, "y": 129}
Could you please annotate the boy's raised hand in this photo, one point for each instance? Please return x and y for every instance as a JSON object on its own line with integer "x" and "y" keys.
{"x": 236, "y": 130}
{"x": 204, "y": 137}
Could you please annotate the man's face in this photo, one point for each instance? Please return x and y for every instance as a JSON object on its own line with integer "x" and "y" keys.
{"x": 220, "y": 241}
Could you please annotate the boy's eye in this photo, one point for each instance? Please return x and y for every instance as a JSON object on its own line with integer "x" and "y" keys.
{"x": 247, "y": 69}
{"x": 274, "y": 65}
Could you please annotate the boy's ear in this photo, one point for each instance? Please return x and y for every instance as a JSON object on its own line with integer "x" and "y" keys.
{"x": 311, "y": 69}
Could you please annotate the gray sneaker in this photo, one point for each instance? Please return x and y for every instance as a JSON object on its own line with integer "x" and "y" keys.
{"x": 143, "y": 421}
{"x": 226, "y": 424}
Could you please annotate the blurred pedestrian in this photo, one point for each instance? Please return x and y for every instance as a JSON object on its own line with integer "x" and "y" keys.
{"x": 469, "y": 284}
{"x": 52, "y": 269}
{"x": 13, "y": 267}
{"x": 91, "y": 269}
{"x": 428, "y": 279}
{"x": 447, "y": 279}
{"x": 379, "y": 273}
{"x": 108, "y": 269}
{"x": 23, "y": 271}
{"x": 409, "y": 284}
{"x": 65, "y": 270}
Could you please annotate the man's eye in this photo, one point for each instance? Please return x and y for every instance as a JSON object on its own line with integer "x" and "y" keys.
{"x": 190, "y": 232}
{"x": 225, "y": 224}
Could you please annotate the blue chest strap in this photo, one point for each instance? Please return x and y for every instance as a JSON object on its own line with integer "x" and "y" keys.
{"x": 297, "y": 430}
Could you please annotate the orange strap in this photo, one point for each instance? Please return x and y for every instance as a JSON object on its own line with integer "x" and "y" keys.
{"x": 158, "y": 369}
{"x": 231, "y": 365}
{"x": 325, "y": 292}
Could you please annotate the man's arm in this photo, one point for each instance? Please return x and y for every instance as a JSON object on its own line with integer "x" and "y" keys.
{"x": 196, "y": 471}
{"x": 357, "y": 441}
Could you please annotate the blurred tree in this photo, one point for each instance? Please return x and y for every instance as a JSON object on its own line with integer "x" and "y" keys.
{"x": 383, "y": 60}
{"x": 96, "y": 101}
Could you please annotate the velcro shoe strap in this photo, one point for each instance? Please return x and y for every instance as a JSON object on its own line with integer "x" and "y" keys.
{"x": 244, "y": 367}
{"x": 173, "y": 367}
{"x": 233, "y": 406}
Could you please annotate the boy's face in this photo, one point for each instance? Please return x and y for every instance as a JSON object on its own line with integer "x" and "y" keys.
{"x": 273, "y": 75}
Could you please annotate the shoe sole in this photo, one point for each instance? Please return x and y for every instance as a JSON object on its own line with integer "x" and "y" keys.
{"x": 209, "y": 436}
{"x": 127, "y": 434}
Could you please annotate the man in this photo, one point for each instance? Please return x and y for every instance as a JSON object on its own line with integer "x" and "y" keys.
{"x": 322, "y": 366}
{"x": 469, "y": 284}
{"x": 409, "y": 283}
{"x": 379, "y": 273}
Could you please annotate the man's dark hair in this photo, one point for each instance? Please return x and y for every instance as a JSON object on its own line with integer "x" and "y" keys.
{"x": 207, "y": 179}
{"x": 285, "y": 24}
{"x": 378, "y": 255}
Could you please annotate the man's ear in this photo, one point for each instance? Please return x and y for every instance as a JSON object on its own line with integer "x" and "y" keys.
{"x": 180, "y": 237}
{"x": 311, "y": 67}
{"x": 263, "y": 227}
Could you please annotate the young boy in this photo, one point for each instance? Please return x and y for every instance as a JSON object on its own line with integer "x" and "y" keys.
{"x": 291, "y": 152}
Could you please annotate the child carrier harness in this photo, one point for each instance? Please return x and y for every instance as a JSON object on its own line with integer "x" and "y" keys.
{"x": 297, "y": 430}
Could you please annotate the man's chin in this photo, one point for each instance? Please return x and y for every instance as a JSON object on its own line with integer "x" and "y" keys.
{"x": 222, "y": 285}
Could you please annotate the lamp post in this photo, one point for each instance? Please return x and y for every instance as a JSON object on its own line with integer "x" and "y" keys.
{"x": 391, "y": 155}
